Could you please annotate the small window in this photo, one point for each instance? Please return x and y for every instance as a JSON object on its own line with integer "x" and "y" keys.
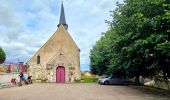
{"x": 38, "y": 59}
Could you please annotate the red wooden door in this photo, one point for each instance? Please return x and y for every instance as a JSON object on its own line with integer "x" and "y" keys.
{"x": 60, "y": 74}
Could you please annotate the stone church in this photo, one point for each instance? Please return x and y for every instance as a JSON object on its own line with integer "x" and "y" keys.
{"x": 58, "y": 60}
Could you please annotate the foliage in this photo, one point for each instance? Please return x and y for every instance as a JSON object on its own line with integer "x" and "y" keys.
{"x": 2, "y": 55}
{"x": 89, "y": 79}
{"x": 137, "y": 42}
{"x": 100, "y": 55}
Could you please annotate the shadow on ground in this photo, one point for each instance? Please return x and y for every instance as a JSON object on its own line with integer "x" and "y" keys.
{"x": 151, "y": 90}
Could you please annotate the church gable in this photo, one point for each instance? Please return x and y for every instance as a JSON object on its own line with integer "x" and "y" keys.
{"x": 61, "y": 59}
{"x": 61, "y": 40}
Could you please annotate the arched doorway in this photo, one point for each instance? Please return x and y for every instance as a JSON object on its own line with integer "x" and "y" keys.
{"x": 60, "y": 74}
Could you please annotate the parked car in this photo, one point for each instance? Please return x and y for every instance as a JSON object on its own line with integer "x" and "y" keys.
{"x": 113, "y": 80}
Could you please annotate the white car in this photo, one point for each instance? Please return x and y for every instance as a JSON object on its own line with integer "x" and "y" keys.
{"x": 113, "y": 80}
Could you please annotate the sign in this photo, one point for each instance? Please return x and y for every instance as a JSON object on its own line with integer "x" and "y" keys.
{"x": 12, "y": 68}
{"x": 1, "y": 68}
{"x": 15, "y": 69}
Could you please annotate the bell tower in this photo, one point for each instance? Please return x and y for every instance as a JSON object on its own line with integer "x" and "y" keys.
{"x": 62, "y": 18}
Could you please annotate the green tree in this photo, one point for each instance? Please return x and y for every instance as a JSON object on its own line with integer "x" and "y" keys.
{"x": 142, "y": 29}
{"x": 99, "y": 56}
{"x": 138, "y": 40}
{"x": 2, "y": 55}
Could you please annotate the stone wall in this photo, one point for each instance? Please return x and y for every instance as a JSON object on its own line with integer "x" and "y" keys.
{"x": 6, "y": 78}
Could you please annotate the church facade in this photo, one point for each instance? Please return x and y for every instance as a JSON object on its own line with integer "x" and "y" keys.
{"x": 58, "y": 60}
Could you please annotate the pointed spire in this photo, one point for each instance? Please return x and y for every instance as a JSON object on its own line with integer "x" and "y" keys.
{"x": 62, "y": 18}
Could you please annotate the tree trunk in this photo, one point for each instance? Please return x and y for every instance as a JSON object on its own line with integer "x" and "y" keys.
{"x": 166, "y": 80}
{"x": 156, "y": 81}
{"x": 137, "y": 82}
{"x": 141, "y": 80}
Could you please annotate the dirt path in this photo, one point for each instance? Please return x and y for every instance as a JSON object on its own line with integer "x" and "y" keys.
{"x": 83, "y": 91}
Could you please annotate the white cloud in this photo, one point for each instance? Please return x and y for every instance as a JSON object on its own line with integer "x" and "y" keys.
{"x": 104, "y": 4}
{"x": 18, "y": 38}
{"x": 26, "y": 26}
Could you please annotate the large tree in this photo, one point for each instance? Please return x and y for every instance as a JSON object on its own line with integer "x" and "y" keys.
{"x": 139, "y": 42}
{"x": 2, "y": 55}
{"x": 100, "y": 55}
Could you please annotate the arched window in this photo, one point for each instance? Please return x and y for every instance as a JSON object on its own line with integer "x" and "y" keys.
{"x": 38, "y": 59}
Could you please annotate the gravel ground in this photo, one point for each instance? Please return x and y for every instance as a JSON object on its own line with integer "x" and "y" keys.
{"x": 77, "y": 91}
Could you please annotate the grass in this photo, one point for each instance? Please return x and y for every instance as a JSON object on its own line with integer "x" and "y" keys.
{"x": 89, "y": 80}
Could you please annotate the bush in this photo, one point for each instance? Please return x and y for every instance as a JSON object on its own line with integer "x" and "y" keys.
{"x": 2, "y": 55}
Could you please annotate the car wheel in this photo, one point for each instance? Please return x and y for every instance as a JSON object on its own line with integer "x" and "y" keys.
{"x": 99, "y": 83}
{"x": 125, "y": 83}
{"x": 106, "y": 83}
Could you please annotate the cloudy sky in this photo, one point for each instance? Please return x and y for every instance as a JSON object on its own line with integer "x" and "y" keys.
{"x": 25, "y": 25}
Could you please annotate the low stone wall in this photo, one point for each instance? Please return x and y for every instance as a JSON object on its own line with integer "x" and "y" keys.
{"x": 6, "y": 78}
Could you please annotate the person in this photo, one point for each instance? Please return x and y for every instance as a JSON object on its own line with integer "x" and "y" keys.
{"x": 29, "y": 80}
{"x": 22, "y": 78}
